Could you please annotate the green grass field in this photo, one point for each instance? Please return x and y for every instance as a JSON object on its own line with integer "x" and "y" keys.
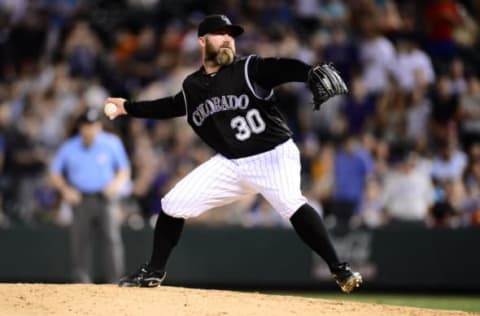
{"x": 468, "y": 303}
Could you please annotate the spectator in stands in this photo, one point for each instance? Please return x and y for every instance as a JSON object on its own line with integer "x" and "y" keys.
{"x": 83, "y": 51}
{"x": 441, "y": 17}
{"x": 371, "y": 209}
{"x": 390, "y": 20}
{"x": 144, "y": 164}
{"x": 333, "y": 12}
{"x": 470, "y": 113}
{"x": 411, "y": 60}
{"x": 449, "y": 163}
{"x": 377, "y": 57}
{"x": 445, "y": 110}
{"x": 449, "y": 203}
{"x": 342, "y": 52}
{"x": 447, "y": 171}
{"x": 381, "y": 156}
{"x": 407, "y": 192}
{"x": 358, "y": 107}
{"x": 307, "y": 14}
{"x": 90, "y": 171}
{"x": 472, "y": 202}
{"x": 4, "y": 126}
{"x": 141, "y": 66}
{"x": 458, "y": 83}
{"x": 352, "y": 167}
{"x": 25, "y": 165}
{"x": 466, "y": 37}
{"x": 419, "y": 108}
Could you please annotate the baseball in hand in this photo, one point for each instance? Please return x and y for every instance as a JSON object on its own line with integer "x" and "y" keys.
{"x": 110, "y": 109}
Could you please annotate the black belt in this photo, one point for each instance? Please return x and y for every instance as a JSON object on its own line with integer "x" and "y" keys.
{"x": 98, "y": 195}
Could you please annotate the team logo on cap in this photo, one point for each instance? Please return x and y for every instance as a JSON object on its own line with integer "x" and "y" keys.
{"x": 225, "y": 19}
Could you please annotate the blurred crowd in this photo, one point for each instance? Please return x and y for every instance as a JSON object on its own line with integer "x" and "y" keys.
{"x": 402, "y": 147}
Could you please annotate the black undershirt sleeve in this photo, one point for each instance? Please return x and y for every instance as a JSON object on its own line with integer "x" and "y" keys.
{"x": 271, "y": 72}
{"x": 163, "y": 108}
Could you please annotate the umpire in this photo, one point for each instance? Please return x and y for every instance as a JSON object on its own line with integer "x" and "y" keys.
{"x": 90, "y": 170}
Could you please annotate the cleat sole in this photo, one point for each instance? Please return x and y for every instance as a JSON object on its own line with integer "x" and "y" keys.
{"x": 354, "y": 281}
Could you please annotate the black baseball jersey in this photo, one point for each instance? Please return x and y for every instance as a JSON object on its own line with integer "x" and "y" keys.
{"x": 231, "y": 114}
{"x": 229, "y": 110}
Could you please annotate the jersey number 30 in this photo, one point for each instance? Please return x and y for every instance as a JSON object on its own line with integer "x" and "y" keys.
{"x": 245, "y": 126}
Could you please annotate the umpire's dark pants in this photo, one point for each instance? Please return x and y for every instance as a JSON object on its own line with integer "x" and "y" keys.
{"x": 96, "y": 222}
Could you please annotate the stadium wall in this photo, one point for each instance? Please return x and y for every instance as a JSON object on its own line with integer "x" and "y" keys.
{"x": 400, "y": 258}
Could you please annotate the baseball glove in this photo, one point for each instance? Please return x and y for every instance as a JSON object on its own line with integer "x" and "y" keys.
{"x": 325, "y": 82}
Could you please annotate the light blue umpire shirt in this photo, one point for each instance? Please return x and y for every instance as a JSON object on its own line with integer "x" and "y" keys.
{"x": 90, "y": 169}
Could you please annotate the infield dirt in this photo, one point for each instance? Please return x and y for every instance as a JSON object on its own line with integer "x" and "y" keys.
{"x": 110, "y": 300}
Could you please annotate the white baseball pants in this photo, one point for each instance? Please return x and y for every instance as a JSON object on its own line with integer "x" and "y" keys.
{"x": 275, "y": 174}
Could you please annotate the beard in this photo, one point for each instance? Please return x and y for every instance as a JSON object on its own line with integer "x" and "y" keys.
{"x": 225, "y": 56}
{"x": 221, "y": 56}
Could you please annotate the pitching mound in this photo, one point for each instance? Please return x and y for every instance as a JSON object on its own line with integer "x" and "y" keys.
{"x": 110, "y": 300}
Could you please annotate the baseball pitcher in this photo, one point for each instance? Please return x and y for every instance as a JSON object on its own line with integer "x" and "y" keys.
{"x": 229, "y": 102}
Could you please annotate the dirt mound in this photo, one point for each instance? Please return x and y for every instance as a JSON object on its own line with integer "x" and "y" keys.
{"x": 110, "y": 300}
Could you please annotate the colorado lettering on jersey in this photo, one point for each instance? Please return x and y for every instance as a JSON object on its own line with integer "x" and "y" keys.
{"x": 218, "y": 104}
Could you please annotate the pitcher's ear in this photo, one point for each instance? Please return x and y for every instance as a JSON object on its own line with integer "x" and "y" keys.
{"x": 202, "y": 41}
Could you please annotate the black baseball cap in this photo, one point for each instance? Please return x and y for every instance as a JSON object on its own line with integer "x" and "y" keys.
{"x": 218, "y": 22}
{"x": 89, "y": 116}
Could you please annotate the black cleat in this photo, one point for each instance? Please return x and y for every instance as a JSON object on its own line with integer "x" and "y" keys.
{"x": 143, "y": 277}
{"x": 346, "y": 278}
